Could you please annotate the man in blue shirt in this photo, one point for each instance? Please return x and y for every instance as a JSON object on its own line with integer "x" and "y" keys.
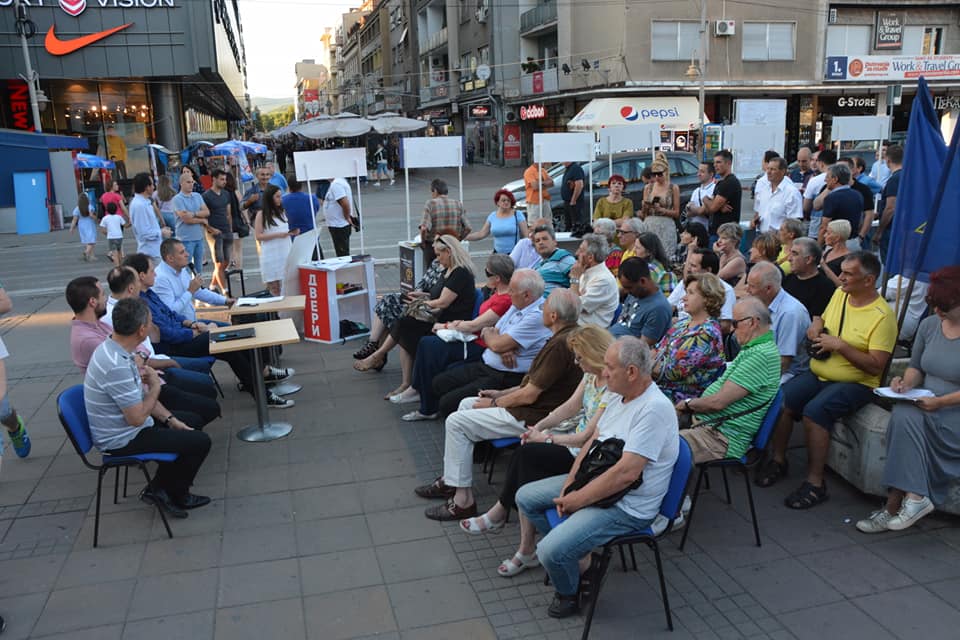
{"x": 888, "y": 198}
{"x": 842, "y": 203}
{"x": 251, "y": 199}
{"x": 790, "y": 319}
{"x": 276, "y": 178}
{"x": 146, "y": 226}
{"x": 192, "y": 214}
{"x": 804, "y": 171}
{"x": 300, "y": 212}
{"x": 646, "y": 313}
{"x": 177, "y": 287}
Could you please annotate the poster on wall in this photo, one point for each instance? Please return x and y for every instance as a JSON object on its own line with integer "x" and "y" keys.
{"x": 125, "y": 144}
{"x": 511, "y": 142}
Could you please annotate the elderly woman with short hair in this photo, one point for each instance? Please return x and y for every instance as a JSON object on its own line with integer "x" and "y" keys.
{"x": 732, "y": 263}
{"x": 790, "y": 230}
{"x": 836, "y": 236}
{"x": 592, "y": 281}
{"x": 451, "y": 298}
{"x": 687, "y": 358}
{"x": 608, "y": 229}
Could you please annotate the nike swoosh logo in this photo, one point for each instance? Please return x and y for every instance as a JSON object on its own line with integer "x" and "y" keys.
{"x": 57, "y": 47}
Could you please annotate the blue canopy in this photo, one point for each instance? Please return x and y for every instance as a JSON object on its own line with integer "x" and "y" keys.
{"x": 236, "y": 147}
{"x": 90, "y": 161}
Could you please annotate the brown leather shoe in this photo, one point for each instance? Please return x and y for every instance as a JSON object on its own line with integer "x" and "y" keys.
{"x": 436, "y": 489}
{"x": 450, "y": 511}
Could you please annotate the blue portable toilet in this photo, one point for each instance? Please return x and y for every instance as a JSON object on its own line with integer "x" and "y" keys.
{"x": 30, "y": 195}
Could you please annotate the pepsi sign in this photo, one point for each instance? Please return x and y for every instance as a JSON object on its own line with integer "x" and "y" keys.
{"x": 632, "y": 114}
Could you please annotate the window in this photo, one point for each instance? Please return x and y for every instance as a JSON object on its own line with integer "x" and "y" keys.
{"x": 768, "y": 41}
{"x": 848, "y": 40}
{"x": 601, "y": 172}
{"x": 674, "y": 40}
{"x": 680, "y": 167}
{"x": 923, "y": 41}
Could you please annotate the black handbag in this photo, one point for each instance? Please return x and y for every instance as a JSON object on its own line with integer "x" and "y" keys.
{"x": 601, "y": 456}
{"x": 812, "y": 350}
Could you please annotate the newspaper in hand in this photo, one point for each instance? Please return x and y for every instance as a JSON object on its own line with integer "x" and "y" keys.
{"x": 910, "y": 396}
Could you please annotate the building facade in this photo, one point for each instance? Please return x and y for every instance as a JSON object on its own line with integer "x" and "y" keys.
{"x": 133, "y": 85}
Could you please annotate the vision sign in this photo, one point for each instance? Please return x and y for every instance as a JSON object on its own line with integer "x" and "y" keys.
{"x": 76, "y": 7}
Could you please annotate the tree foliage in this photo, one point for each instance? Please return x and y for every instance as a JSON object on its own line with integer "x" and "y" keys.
{"x": 276, "y": 118}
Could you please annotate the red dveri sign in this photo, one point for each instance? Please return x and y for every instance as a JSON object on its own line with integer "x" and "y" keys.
{"x": 19, "y": 97}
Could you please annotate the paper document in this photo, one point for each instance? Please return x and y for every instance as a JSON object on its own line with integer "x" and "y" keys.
{"x": 252, "y": 302}
{"x": 912, "y": 395}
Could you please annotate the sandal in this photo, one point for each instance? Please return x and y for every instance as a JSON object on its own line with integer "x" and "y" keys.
{"x": 416, "y": 416}
{"x": 770, "y": 472}
{"x": 517, "y": 564}
{"x": 480, "y": 525}
{"x": 360, "y": 366}
{"x": 806, "y": 496}
{"x": 396, "y": 392}
{"x": 367, "y": 350}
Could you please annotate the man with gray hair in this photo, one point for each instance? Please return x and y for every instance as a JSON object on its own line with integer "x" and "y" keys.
{"x": 642, "y": 417}
{"x": 592, "y": 281}
{"x": 807, "y": 282}
{"x": 122, "y": 408}
{"x": 841, "y": 202}
{"x": 511, "y": 347}
{"x": 553, "y": 378}
{"x": 790, "y": 317}
{"x": 778, "y": 200}
{"x": 732, "y": 408}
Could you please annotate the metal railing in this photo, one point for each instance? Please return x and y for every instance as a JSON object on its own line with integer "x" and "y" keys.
{"x": 540, "y": 15}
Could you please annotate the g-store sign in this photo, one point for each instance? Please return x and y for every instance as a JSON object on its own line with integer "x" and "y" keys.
{"x": 853, "y": 69}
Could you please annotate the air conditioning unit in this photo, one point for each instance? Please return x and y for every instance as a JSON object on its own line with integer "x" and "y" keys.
{"x": 726, "y": 27}
{"x": 482, "y": 14}
{"x": 437, "y": 62}
{"x": 510, "y": 116}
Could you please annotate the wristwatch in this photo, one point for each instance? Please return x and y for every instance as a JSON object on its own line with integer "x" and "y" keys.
{"x": 686, "y": 405}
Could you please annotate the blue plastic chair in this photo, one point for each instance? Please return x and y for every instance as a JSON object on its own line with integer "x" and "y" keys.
{"x": 73, "y": 417}
{"x": 478, "y": 300}
{"x": 496, "y": 446}
{"x": 669, "y": 508}
{"x": 757, "y": 446}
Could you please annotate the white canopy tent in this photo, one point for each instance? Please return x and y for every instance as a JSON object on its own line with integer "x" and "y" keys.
{"x": 681, "y": 113}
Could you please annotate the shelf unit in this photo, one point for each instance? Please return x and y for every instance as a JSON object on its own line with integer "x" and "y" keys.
{"x": 325, "y": 309}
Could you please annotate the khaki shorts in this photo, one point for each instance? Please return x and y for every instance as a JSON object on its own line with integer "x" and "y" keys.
{"x": 706, "y": 443}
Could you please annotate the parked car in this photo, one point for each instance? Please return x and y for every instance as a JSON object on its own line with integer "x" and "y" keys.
{"x": 683, "y": 173}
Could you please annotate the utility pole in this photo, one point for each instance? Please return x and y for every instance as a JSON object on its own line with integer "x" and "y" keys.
{"x": 23, "y": 25}
{"x": 703, "y": 71}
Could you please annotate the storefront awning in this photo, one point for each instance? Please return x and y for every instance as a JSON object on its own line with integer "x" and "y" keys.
{"x": 680, "y": 113}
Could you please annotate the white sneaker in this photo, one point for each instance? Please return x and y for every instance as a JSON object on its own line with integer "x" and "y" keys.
{"x": 910, "y": 512}
{"x": 392, "y": 181}
{"x": 877, "y": 522}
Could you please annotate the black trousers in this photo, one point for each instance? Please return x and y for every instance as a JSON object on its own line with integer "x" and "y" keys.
{"x": 173, "y": 477}
{"x": 199, "y": 347}
{"x": 194, "y": 409}
{"x": 464, "y": 382}
{"x": 341, "y": 240}
{"x": 531, "y": 462}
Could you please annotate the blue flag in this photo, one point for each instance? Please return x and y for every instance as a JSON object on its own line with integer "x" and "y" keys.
{"x": 913, "y": 249}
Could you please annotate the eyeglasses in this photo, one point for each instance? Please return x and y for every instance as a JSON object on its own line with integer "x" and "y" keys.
{"x": 735, "y": 322}
{"x": 625, "y": 231}
{"x": 656, "y": 174}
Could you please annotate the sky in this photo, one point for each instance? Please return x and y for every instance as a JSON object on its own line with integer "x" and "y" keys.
{"x": 279, "y": 33}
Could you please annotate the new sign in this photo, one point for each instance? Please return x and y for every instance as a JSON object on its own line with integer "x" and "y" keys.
{"x": 859, "y": 68}
{"x": 533, "y": 112}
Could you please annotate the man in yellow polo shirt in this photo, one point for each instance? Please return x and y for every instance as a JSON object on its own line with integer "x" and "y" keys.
{"x": 856, "y": 335}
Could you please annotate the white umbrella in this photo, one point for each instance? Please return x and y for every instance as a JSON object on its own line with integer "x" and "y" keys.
{"x": 395, "y": 123}
{"x": 343, "y": 125}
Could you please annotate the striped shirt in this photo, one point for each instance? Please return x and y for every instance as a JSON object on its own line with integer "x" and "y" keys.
{"x": 555, "y": 270}
{"x": 757, "y": 369}
{"x": 111, "y": 385}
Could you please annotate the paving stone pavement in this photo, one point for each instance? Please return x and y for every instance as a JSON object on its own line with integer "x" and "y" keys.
{"x": 320, "y": 536}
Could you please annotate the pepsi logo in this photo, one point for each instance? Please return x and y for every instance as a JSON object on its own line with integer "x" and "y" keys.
{"x": 627, "y": 113}
{"x": 73, "y": 7}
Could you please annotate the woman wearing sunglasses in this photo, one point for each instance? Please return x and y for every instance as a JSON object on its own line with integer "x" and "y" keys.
{"x": 661, "y": 204}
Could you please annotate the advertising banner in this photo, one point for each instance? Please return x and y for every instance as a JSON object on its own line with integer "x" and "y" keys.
{"x": 860, "y": 68}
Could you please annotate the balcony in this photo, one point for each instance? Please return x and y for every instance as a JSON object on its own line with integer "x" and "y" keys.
{"x": 433, "y": 41}
{"x": 434, "y": 93}
{"x": 539, "y": 82}
{"x": 540, "y": 19}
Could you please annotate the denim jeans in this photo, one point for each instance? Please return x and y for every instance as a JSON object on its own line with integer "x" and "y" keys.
{"x": 561, "y": 549}
{"x": 195, "y": 251}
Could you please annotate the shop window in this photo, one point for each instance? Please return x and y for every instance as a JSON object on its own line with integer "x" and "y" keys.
{"x": 922, "y": 41}
{"x": 848, "y": 40}
{"x": 764, "y": 41}
{"x": 674, "y": 40}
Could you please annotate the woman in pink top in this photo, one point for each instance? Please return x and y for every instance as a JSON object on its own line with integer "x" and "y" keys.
{"x": 112, "y": 194}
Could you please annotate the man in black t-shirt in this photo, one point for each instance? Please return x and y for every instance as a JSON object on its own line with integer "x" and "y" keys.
{"x": 219, "y": 227}
{"x": 571, "y": 190}
{"x": 724, "y": 206}
{"x": 806, "y": 282}
{"x": 842, "y": 202}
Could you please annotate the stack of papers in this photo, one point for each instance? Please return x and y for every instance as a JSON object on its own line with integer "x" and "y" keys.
{"x": 912, "y": 396}
{"x": 252, "y": 302}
